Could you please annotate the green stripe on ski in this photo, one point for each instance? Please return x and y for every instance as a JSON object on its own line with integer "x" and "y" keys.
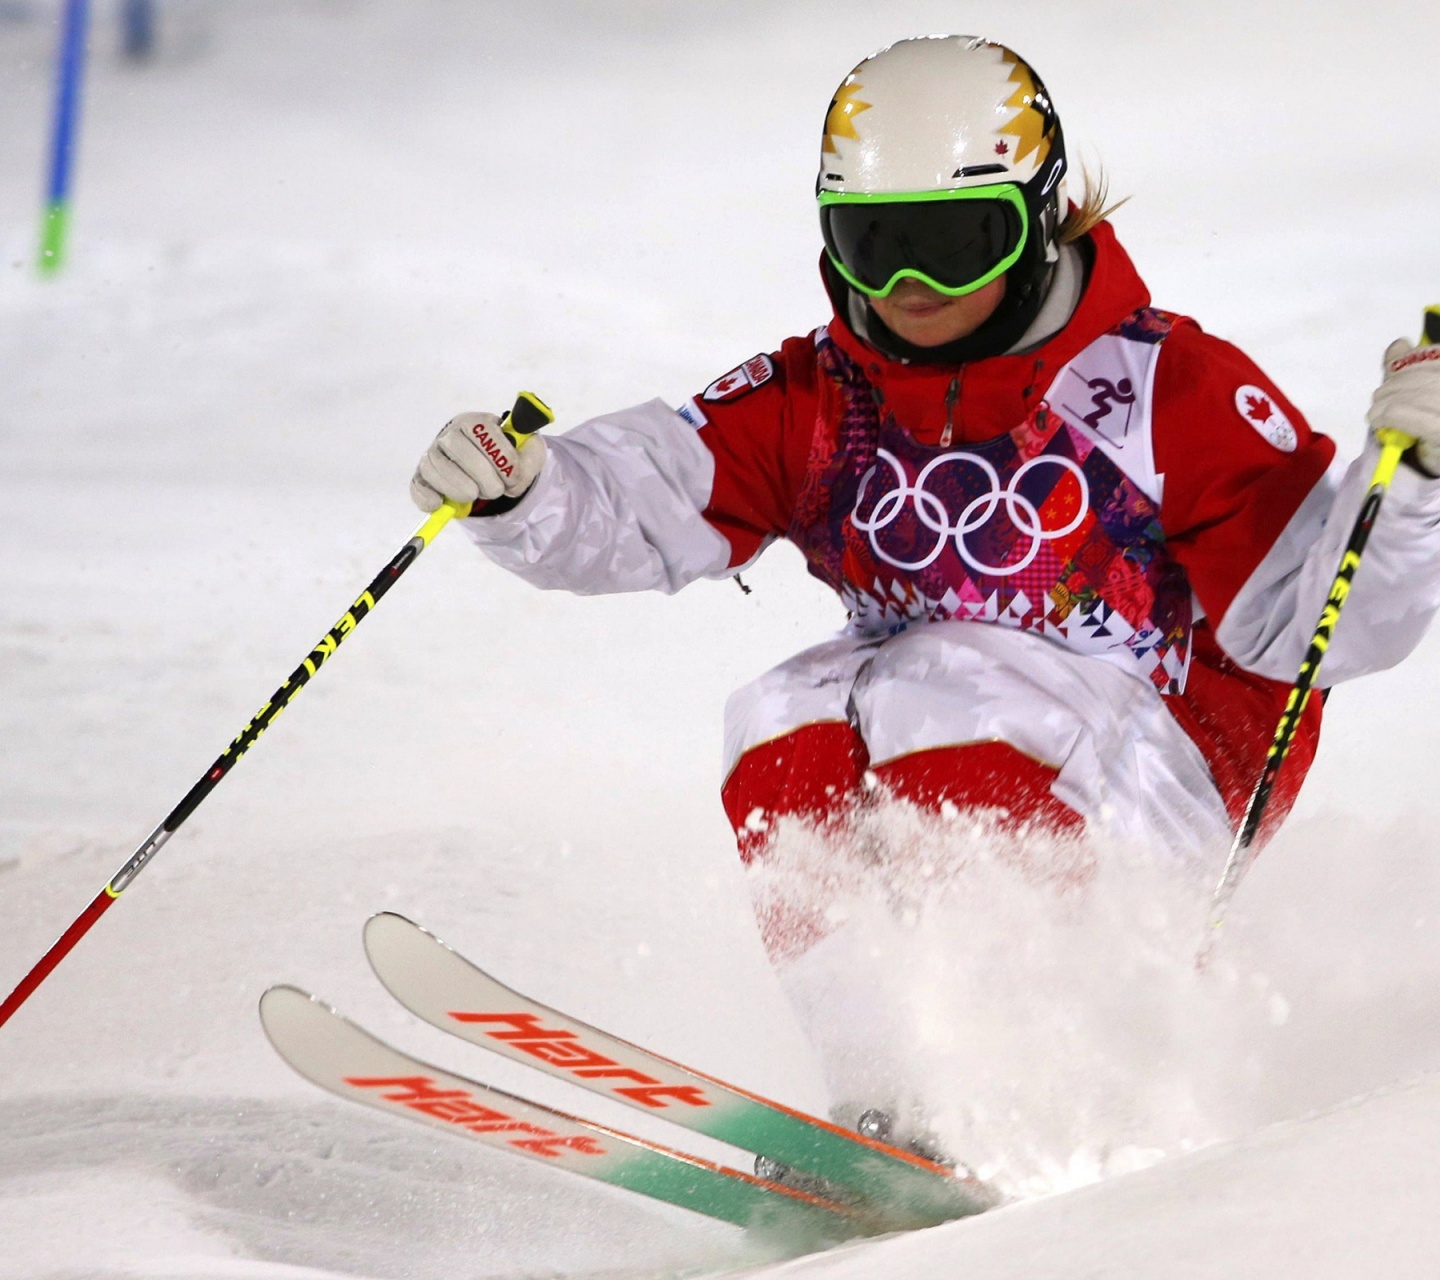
{"x": 343, "y": 1058}
{"x": 441, "y": 986}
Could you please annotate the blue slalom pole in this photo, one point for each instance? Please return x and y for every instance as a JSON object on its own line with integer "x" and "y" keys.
{"x": 69, "y": 75}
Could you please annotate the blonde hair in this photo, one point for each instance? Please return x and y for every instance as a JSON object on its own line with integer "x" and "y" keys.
{"x": 1092, "y": 209}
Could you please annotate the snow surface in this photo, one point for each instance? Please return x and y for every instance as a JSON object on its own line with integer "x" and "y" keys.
{"x": 304, "y": 237}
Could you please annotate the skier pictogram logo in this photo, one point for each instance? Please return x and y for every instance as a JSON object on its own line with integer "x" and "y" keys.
{"x": 1105, "y": 405}
{"x": 1259, "y": 409}
{"x": 1107, "y": 395}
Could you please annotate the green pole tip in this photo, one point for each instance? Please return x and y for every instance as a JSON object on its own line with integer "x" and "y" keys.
{"x": 52, "y": 239}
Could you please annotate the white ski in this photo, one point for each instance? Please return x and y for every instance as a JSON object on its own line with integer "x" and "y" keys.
{"x": 448, "y": 991}
{"x": 347, "y": 1060}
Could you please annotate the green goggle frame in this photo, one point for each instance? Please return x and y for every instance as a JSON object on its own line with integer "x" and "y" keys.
{"x": 913, "y": 233}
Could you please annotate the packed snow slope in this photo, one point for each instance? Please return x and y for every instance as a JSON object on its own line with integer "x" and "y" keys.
{"x": 307, "y": 234}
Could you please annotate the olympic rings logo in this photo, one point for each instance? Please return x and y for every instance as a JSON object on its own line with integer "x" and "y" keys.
{"x": 931, "y": 511}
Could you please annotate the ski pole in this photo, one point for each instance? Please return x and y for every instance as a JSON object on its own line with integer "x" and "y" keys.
{"x": 528, "y": 416}
{"x": 1392, "y": 445}
{"x": 69, "y": 80}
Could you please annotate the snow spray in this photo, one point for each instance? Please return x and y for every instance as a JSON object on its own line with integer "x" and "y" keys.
{"x": 1028, "y": 1004}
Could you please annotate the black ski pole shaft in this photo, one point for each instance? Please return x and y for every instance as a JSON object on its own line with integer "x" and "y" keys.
{"x": 528, "y": 416}
{"x": 1392, "y": 445}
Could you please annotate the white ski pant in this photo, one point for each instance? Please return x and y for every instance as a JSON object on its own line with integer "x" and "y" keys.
{"x": 1122, "y": 761}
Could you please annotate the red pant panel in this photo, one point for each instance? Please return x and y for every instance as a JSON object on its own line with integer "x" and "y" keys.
{"x": 980, "y": 775}
{"x": 816, "y": 773}
{"x": 1231, "y": 715}
{"x": 812, "y": 773}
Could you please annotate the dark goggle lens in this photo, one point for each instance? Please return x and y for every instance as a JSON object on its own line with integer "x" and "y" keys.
{"x": 954, "y": 242}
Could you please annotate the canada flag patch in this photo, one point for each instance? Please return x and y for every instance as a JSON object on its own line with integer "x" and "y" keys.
{"x": 755, "y": 372}
{"x": 1259, "y": 409}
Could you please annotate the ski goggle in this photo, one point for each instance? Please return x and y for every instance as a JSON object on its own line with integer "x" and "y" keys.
{"x": 953, "y": 241}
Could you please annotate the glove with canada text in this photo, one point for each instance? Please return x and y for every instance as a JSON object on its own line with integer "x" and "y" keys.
{"x": 472, "y": 460}
{"x": 1408, "y": 400}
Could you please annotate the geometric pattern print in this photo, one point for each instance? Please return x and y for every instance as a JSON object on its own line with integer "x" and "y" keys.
{"x": 1037, "y": 529}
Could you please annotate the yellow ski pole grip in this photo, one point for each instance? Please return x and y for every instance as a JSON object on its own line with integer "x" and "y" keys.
{"x": 529, "y": 415}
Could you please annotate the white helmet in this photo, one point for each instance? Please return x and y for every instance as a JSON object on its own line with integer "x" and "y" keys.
{"x": 940, "y": 113}
{"x": 942, "y": 159}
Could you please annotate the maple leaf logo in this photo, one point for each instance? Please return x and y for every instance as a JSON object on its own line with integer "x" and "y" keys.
{"x": 1258, "y": 408}
{"x": 1002, "y": 148}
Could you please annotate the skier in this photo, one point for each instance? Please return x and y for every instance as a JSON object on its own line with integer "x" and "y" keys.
{"x": 1083, "y": 543}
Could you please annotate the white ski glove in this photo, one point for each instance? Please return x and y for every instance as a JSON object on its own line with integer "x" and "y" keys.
{"x": 473, "y": 460}
{"x": 1408, "y": 399}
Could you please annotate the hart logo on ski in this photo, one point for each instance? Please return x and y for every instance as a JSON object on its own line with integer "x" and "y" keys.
{"x": 348, "y": 1061}
{"x": 562, "y": 1049}
{"x": 895, "y": 1188}
{"x": 457, "y": 1107}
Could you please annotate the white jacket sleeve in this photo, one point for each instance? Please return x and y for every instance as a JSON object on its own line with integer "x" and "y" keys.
{"x": 618, "y": 507}
{"x": 1393, "y": 597}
